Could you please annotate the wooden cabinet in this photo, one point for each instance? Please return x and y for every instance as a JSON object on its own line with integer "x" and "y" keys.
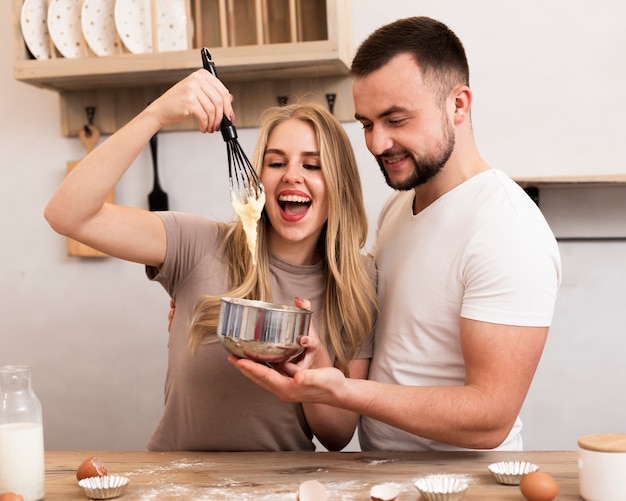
{"x": 266, "y": 52}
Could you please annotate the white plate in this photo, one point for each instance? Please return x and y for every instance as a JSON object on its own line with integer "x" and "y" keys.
{"x": 171, "y": 23}
{"x": 35, "y": 28}
{"x": 64, "y": 27}
{"x": 134, "y": 24}
{"x": 98, "y": 24}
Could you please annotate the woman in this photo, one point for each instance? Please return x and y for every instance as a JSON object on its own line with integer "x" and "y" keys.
{"x": 309, "y": 242}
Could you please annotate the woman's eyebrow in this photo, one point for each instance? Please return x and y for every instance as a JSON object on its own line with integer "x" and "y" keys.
{"x": 277, "y": 151}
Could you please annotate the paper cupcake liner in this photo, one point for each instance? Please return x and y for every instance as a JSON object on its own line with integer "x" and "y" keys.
{"x": 511, "y": 472}
{"x": 106, "y": 487}
{"x": 442, "y": 487}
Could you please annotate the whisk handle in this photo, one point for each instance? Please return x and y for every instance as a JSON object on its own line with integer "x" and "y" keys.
{"x": 207, "y": 63}
{"x": 228, "y": 130}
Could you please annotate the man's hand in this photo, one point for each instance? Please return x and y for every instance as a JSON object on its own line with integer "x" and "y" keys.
{"x": 170, "y": 315}
{"x": 309, "y": 386}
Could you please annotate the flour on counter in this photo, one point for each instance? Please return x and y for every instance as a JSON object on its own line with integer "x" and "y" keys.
{"x": 207, "y": 488}
{"x": 337, "y": 491}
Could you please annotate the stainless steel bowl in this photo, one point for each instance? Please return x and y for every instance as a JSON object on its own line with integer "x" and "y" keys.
{"x": 260, "y": 331}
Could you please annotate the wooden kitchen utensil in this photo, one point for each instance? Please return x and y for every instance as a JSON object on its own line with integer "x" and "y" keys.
{"x": 88, "y": 136}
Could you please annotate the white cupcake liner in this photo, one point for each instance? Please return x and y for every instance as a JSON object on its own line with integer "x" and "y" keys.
{"x": 442, "y": 487}
{"x": 106, "y": 487}
{"x": 511, "y": 472}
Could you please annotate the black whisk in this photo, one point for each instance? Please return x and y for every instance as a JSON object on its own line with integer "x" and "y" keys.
{"x": 243, "y": 179}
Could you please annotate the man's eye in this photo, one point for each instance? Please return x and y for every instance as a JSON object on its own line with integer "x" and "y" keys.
{"x": 397, "y": 121}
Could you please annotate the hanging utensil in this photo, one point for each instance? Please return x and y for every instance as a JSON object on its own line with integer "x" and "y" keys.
{"x": 157, "y": 198}
{"x": 245, "y": 184}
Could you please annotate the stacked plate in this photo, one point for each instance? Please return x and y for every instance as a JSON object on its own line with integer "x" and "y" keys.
{"x": 77, "y": 28}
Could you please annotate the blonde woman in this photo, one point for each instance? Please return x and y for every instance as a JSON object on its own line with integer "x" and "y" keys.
{"x": 310, "y": 238}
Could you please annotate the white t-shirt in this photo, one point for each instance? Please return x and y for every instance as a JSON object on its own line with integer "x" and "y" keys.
{"x": 482, "y": 251}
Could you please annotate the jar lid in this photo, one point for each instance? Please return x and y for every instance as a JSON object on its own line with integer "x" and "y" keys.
{"x": 604, "y": 442}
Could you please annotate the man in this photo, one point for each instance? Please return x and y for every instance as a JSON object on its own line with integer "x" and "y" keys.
{"x": 468, "y": 267}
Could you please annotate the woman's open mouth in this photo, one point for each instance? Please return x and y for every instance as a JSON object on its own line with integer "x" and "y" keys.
{"x": 293, "y": 206}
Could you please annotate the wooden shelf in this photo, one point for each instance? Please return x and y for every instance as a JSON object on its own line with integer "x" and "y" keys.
{"x": 235, "y": 64}
{"x": 263, "y": 49}
{"x": 599, "y": 180}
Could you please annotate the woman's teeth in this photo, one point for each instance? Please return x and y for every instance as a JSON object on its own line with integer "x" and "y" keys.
{"x": 294, "y": 198}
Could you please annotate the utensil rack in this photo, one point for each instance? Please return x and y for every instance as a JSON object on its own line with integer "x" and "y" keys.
{"x": 295, "y": 50}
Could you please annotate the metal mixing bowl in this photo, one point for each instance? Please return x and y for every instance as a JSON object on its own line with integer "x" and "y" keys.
{"x": 260, "y": 331}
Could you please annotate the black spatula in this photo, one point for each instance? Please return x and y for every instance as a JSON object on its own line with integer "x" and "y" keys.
{"x": 157, "y": 198}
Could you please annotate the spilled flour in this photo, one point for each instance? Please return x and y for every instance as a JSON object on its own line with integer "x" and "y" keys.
{"x": 208, "y": 481}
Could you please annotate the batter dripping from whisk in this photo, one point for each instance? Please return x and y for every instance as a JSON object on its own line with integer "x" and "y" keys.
{"x": 248, "y": 199}
{"x": 249, "y": 212}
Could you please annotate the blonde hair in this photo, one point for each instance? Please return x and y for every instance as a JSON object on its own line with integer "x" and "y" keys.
{"x": 350, "y": 303}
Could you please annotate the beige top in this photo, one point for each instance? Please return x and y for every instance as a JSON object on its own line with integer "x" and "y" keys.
{"x": 210, "y": 405}
{"x": 604, "y": 442}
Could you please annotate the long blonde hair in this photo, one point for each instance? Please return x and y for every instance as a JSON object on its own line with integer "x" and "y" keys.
{"x": 350, "y": 303}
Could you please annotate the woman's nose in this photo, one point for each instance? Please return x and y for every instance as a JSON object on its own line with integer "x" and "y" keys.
{"x": 293, "y": 173}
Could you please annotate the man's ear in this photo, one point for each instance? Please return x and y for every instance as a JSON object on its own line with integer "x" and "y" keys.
{"x": 462, "y": 103}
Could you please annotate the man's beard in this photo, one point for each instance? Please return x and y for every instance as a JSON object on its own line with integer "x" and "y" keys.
{"x": 426, "y": 166}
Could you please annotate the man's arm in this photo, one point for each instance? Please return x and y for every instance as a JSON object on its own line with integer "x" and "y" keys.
{"x": 500, "y": 362}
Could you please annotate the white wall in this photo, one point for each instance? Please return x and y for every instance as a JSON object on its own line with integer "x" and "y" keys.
{"x": 580, "y": 384}
{"x": 547, "y": 80}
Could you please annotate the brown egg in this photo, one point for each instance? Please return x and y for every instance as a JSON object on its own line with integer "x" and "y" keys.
{"x": 91, "y": 467}
{"x": 10, "y": 496}
{"x": 539, "y": 486}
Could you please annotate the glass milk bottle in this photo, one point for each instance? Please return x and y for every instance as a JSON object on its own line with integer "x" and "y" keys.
{"x": 22, "y": 467}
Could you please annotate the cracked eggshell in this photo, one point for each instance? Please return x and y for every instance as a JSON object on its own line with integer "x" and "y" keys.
{"x": 384, "y": 492}
{"x": 91, "y": 467}
{"x": 311, "y": 490}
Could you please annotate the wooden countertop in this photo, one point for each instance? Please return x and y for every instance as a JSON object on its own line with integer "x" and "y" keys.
{"x": 276, "y": 476}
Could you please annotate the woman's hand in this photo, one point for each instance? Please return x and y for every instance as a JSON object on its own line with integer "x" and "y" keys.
{"x": 315, "y": 354}
{"x": 200, "y": 95}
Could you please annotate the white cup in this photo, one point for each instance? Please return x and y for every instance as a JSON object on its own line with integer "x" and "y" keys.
{"x": 602, "y": 467}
